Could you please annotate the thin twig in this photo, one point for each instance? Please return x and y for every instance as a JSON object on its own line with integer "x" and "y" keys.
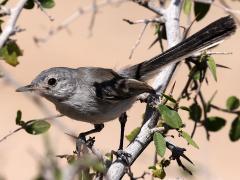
{"x": 94, "y": 13}
{"x": 204, "y": 112}
{"x": 144, "y": 21}
{"x": 226, "y": 8}
{"x": 18, "y": 129}
{"x": 72, "y": 18}
{"x": 10, "y": 134}
{"x": 43, "y": 10}
{"x": 146, "y": 4}
{"x": 138, "y": 40}
{"x": 230, "y": 11}
{"x": 224, "y": 110}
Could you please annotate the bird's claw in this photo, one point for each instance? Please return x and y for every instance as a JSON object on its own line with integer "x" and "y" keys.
{"x": 122, "y": 156}
{"x": 82, "y": 140}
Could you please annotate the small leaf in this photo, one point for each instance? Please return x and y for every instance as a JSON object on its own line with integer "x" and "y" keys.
{"x": 232, "y": 103}
{"x": 195, "y": 112}
{"x": 188, "y": 138}
{"x": 109, "y": 156}
{"x": 71, "y": 159}
{"x": 47, "y": 3}
{"x": 212, "y": 66}
{"x": 170, "y": 117}
{"x": 160, "y": 143}
{"x": 29, "y": 4}
{"x": 214, "y": 123}
{"x": 133, "y": 134}
{"x": 187, "y": 6}
{"x": 10, "y": 52}
{"x": 200, "y": 10}
{"x": 19, "y": 117}
{"x": 170, "y": 98}
{"x": 159, "y": 173}
{"x": 37, "y": 127}
{"x": 234, "y": 133}
{"x": 195, "y": 73}
{"x": 99, "y": 167}
{"x": 152, "y": 167}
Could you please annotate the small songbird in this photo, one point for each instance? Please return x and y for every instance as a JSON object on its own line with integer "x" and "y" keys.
{"x": 97, "y": 95}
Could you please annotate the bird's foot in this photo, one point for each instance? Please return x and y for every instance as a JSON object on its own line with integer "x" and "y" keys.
{"x": 82, "y": 140}
{"x": 122, "y": 156}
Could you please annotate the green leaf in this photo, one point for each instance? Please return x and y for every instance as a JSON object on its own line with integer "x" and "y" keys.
{"x": 212, "y": 66}
{"x": 200, "y": 10}
{"x": 170, "y": 98}
{"x": 187, "y": 6}
{"x": 234, "y": 133}
{"x": 160, "y": 143}
{"x": 47, "y": 3}
{"x": 188, "y": 138}
{"x": 10, "y": 52}
{"x": 19, "y": 117}
{"x": 152, "y": 167}
{"x": 133, "y": 134}
{"x": 214, "y": 123}
{"x": 232, "y": 103}
{"x": 29, "y": 4}
{"x": 99, "y": 167}
{"x": 159, "y": 173}
{"x": 37, "y": 127}
{"x": 195, "y": 112}
{"x": 195, "y": 73}
{"x": 170, "y": 117}
{"x": 71, "y": 159}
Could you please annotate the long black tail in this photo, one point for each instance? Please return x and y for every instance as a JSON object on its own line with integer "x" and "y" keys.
{"x": 209, "y": 35}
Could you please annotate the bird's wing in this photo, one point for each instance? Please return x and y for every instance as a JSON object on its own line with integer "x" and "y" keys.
{"x": 111, "y": 86}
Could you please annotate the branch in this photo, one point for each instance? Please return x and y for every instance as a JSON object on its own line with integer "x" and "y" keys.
{"x": 117, "y": 169}
{"x": 145, "y": 22}
{"x": 11, "y": 24}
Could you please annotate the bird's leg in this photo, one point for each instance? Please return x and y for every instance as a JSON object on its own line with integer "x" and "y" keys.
{"x": 97, "y": 128}
{"x": 120, "y": 153}
{"x": 122, "y": 120}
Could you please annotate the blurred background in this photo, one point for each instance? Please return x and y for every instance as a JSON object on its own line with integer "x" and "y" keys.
{"x": 109, "y": 46}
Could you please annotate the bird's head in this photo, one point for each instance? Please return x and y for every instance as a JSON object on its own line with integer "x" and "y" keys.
{"x": 55, "y": 83}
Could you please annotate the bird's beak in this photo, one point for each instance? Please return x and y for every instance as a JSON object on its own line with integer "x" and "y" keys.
{"x": 26, "y": 88}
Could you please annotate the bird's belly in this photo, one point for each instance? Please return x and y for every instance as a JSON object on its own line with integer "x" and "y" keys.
{"x": 95, "y": 114}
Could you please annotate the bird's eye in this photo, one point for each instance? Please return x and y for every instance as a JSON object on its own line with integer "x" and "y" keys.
{"x": 52, "y": 81}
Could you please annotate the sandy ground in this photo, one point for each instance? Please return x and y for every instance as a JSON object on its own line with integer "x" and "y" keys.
{"x": 109, "y": 46}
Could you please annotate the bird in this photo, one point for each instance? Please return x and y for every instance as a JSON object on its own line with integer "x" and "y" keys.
{"x": 97, "y": 95}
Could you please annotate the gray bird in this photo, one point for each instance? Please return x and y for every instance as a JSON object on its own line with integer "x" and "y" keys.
{"x": 97, "y": 95}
